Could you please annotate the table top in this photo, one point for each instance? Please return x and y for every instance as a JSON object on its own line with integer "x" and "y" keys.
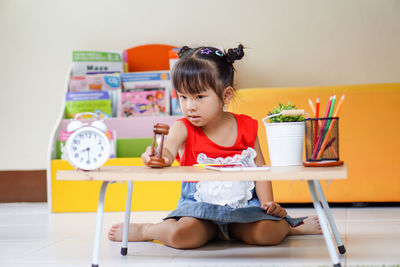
{"x": 186, "y": 173}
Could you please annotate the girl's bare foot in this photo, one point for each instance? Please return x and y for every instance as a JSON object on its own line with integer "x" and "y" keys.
{"x": 137, "y": 232}
{"x": 310, "y": 226}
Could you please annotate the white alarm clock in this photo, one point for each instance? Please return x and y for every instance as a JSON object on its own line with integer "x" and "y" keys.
{"x": 88, "y": 147}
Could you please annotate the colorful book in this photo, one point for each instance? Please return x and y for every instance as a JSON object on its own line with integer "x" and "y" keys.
{"x": 149, "y": 102}
{"x": 115, "y": 97}
{"x": 95, "y": 82}
{"x": 173, "y": 59}
{"x": 175, "y": 106}
{"x": 148, "y": 80}
{"x": 86, "y": 62}
{"x": 92, "y": 101}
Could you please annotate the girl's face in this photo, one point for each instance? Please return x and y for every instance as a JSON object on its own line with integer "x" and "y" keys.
{"x": 200, "y": 108}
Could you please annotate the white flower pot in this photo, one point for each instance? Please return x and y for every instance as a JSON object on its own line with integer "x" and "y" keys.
{"x": 285, "y": 143}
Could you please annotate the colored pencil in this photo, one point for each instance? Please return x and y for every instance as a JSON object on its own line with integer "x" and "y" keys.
{"x": 315, "y": 124}
{"x": 328, "y": 121}
{"x": 315, "y": 111}
{"x": 316, "y": 121}
{"x": 330, "y": 114}
{"x": 321, "y": 130}
{"x": 338, "y": 108}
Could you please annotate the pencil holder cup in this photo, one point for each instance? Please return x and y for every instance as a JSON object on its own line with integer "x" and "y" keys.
{"x": 322, "y": 139}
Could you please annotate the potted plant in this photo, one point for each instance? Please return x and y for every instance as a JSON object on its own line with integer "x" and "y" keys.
{"x": 285, "y": 135}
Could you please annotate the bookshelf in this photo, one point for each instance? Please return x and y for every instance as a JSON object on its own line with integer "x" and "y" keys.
{"x": 133, "y": 134}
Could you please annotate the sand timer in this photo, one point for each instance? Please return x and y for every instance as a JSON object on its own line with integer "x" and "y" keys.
{"x": 156, "y": 159}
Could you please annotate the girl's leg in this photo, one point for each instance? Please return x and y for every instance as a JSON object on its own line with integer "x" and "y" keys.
{"x": 272, "y": 232}
{"x": 310, "y": 226}
{"x": 260, "y": 233}
{"x": 185, "y": 233}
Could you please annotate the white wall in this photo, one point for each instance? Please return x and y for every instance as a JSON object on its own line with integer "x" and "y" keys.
{"x": 290, "y": 43}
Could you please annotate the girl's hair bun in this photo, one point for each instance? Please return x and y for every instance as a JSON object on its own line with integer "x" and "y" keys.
{"x": 183, "y": 51}
{"x": 234, "y": 54}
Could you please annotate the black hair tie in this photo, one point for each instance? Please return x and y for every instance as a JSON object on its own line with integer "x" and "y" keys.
{"x": 183, "y": 51}
{"x": 234, "y": 54}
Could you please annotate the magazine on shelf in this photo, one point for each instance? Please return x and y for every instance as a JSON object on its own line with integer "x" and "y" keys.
{"x": 115, "y": 97}
{"x": 146, "y": 102}
{"x": 85, "y": 62}
{"x": 175, "y": 106}
{"x": 99, "y": 82}
{"x": 146, "y": 79}
{"x": 95, "y": 82}
{"x": 125, "y": 61}
{"x": 91, "y": 101}
{"x": 141, "y": 81}
{"x": 173, "y": 59}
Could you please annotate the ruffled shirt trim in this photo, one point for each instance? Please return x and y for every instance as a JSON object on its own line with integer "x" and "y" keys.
{"x": 234, "y": 194}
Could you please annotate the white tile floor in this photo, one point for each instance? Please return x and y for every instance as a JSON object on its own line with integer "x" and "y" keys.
{"x": 31, "y": 236}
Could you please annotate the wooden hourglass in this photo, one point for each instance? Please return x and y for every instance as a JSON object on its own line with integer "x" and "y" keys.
{"x": 156, "y": 159}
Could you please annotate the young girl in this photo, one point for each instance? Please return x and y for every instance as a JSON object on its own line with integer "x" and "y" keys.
{"x": 203, "y": 78}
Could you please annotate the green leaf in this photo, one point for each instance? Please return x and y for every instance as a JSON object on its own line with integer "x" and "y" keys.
{"x": 281, "y": 118}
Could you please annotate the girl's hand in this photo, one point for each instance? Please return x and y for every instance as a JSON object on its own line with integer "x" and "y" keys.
{"x": 147, "y": 154}
{"x": 273, "y": 208}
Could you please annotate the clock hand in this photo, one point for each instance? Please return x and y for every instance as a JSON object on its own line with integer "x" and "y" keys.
{"x": 90, "y": 147}
{"x": 83, "y": 149}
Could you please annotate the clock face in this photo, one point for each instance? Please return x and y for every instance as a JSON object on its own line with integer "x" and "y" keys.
{"x": 88, "y": 148}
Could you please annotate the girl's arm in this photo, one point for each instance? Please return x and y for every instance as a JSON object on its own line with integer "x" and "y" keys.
{"x": 264, "y": 188}
{"x": 175, "y": 143}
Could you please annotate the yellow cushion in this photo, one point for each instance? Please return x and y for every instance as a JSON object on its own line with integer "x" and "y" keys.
{"x": 369, "y": 131}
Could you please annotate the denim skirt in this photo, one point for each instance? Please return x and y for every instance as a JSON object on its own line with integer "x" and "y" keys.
{"x": 222, "y": 216}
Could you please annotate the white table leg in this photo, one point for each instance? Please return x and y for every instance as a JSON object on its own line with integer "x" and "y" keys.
{"x": 324, "y": 225}
{"x": 99, "y": 224}
{"x": 325, "y": 205}
{"x": 124, "y": 247}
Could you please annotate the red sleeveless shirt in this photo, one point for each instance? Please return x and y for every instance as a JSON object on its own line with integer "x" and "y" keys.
{"x": 197, "y": 142}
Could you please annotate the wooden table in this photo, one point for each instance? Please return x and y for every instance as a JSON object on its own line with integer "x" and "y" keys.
{"x": 312, "y": 175}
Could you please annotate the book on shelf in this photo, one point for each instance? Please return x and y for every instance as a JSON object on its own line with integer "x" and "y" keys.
{"x": 175, "y": 106}
{"x": 173, "y": 59}
{"x": 115, "y": 97}
{"x": 111, "y": 134}
{"x": 99, "y": 82}
{"x": 125, "y": 61}
{"x": 143, "y": 102}
{"x": 91, "y": 101}
{"x": 140, "y": 81}
{"x": 86, "y": 62}
{"x": 146, "y": 79}
{"x": 95, "y": 82}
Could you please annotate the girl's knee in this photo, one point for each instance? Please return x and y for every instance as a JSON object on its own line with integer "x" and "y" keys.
{"x": 271, "y": 232}
{"x": 265, "y": 233}
{"x": 188, "y": 235}
{"x": 180, "y": 237}
{"x": 270, "y": 239}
